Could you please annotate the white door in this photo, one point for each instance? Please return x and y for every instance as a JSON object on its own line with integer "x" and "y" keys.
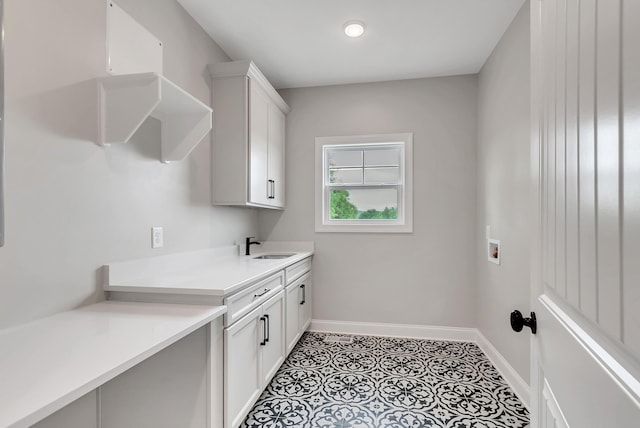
{"x": 274, "y": 349}
{"x": 586, "y": 265}
{"x": 292, "y": 303}
{"x": 259, "y": 186}
{"x": 276, "y": 155}
{"x": 242, "y": 354}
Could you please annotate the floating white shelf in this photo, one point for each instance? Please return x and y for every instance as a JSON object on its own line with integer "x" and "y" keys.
{"x": 125, "y": 102}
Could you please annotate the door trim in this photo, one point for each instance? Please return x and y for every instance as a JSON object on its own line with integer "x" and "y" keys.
{"x": 551, "y": 404}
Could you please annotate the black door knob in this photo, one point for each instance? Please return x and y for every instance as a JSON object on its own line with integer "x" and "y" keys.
{"x": 518, "y": 321}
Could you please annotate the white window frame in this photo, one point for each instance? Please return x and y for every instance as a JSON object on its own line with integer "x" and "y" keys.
{"x": 404, "y": 223}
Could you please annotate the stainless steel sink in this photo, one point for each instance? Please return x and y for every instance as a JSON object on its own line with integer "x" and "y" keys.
{"x": 273, "y": 256}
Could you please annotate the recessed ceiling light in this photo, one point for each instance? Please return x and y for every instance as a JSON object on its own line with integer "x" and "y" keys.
{"x": 354, "y": 28}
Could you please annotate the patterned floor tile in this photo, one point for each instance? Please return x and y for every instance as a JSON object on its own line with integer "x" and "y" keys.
{"x": 277, "y": 412}
{"x": 404, "y": 365}
{"x": 399, "y": 346}
{"x": 349, "y": 388}
{"x": 308, "y": 358}
{"x": 452, "y": 369}
{"x": 296, "y": 383}
{"x": 407, "y": 393}
{"x": 355, "y": 361}
{"x": 343, "y": 416}
{"x": 405, "y": 419}
{"x": 378, "y": 382}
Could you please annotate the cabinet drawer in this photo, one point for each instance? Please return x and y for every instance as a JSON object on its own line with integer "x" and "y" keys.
{"x": 296, "y": 270}
{"x": 251, "y": 297}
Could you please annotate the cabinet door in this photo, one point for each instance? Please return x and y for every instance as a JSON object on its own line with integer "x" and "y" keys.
{"x": 276, "y": 155}
{"x": 242, "y": 380}
{"x": 273, "y": 351}
{"x": 292, "y": 303}
{"x": 259, "y": 185}
{"x": 306, "y": 303}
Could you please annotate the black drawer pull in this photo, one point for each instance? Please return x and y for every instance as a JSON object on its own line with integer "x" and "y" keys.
{"x": 266, "y": 290}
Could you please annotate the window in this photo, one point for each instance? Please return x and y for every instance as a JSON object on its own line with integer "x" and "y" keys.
{"x": 364, "y": 183}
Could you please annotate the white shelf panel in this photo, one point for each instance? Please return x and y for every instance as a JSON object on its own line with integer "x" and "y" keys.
{"x": 126, "y": 101}
{"x": 131, "y": 48}
{"x": 49, "y": 363}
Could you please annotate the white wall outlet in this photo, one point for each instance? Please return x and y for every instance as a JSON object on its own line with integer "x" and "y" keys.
{"x": 157, "y": 237}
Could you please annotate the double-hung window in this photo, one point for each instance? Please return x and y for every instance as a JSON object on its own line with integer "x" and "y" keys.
{"x": 364, "y": 183}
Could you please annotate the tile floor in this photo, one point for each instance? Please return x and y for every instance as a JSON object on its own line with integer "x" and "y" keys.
{"x": 378, "y": 382}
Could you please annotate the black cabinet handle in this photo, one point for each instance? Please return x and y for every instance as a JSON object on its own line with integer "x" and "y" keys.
{"x": 264, "y": 331}
{"x": 266, "y": 290}
{"x": 268, "y": 323}
{"x": 518, "y": 321}
{"x": 271, "y": 189}
{"x": 304, "y": 294}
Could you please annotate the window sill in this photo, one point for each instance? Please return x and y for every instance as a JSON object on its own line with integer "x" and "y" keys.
{"x": 363, "y": 228}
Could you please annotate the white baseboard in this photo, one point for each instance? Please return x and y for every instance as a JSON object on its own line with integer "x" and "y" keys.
{"x": 395, "y": 330}
{"x": 460, "y": 334}
{"x": 510, "y": 375}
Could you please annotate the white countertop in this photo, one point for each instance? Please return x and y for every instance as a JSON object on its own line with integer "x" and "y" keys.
{"x": 215, "y": 272}
{"x": 48, "y": 363}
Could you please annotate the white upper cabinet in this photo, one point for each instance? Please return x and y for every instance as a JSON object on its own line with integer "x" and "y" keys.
{"x": 249, "y": 137}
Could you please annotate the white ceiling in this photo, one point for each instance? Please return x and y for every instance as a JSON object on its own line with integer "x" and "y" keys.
{"x": 299, "y": 43}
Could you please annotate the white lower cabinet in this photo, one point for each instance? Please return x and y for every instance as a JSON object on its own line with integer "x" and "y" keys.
{"x": 298, "y": 302}
{"x": 254, "y": 349}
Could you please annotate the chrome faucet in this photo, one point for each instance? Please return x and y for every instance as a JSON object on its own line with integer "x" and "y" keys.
{"x": 248, "y": 243}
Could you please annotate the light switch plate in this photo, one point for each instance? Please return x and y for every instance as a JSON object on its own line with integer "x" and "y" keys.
{"x": 157, "y": 237}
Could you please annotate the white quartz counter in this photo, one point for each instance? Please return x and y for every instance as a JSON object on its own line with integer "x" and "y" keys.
{"x": 47, "y": 364}
{"x": 216, "y": 272}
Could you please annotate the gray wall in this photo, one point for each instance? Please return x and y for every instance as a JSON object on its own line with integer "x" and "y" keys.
{"x": 72, "y": 206}
{"x": 503, "y": 191}
{"x": 427, "y": 277}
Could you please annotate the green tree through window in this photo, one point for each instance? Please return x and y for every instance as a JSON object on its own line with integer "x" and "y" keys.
{"x": 386, "y": 214}
{"x": 341, "y": 207}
